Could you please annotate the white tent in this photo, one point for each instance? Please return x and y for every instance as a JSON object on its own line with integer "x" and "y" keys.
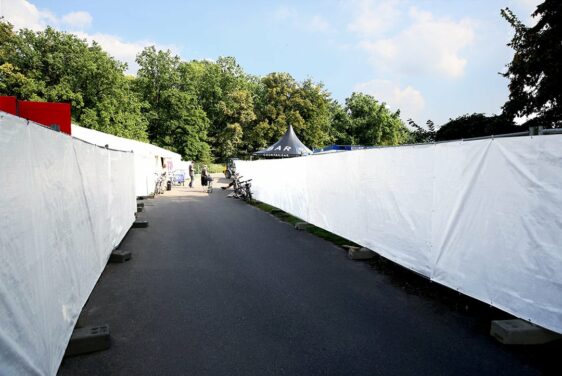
{"x": 149, "y": 159}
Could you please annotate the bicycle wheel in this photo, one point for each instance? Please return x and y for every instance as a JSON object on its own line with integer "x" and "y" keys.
{"x": 246, "y": 194}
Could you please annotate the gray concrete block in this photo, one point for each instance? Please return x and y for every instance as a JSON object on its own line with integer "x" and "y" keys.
{"x": 521, "y": 332}
{"x": 356, "y": 253}
{"x": 302, "y": 225}
{"x": 140, "y": 209}
{"x": 119, "y": 256}
{"x": 140, "y": 223}
{"x": 88, "y": 339}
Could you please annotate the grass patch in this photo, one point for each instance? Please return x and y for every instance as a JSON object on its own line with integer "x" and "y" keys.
{"x": 320, "y": 232}
{"x": 216, "y": 168}
{"x": 213, "y": 168}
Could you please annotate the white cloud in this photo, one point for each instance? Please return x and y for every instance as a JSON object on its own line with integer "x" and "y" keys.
{"x": 427, "y": 46}
{"x": 373, "y": 18}
{"x": 122, "y": 50}
{"x": 409, "y": 100}
{"x": 317, "y": 23}
{"x": 77, "y": 20}
{"x": 23, "y": 14}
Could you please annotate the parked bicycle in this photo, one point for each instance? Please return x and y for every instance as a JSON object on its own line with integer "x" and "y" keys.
{"x": 242, "y": 189}
{"x": 159, "y": 183}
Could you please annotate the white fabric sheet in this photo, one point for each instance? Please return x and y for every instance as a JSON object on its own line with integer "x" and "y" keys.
{"x": 482, "y": 217}
{"x": 147, "y": 164}
{"x": 65, "y": 206}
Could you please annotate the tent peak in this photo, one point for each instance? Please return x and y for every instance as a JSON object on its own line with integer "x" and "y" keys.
{"x": 288, "y": 146}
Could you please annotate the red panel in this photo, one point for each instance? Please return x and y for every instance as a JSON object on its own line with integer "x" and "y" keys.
{"x": 8, "y": 104}
{"x": 46, "y": 113}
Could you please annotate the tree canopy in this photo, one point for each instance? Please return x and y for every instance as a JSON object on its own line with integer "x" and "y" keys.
{"x": 535, "y": 72}
{"x": 54, "y": 66}
{"x": 212, "y": 110}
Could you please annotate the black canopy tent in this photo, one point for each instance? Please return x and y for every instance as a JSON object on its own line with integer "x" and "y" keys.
{"x": 288, "y": 146}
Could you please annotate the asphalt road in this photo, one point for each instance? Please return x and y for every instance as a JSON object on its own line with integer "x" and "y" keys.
{"x": 218, "y": 287}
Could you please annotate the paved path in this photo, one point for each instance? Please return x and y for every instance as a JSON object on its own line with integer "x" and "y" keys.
{"x": 217, "y": 287}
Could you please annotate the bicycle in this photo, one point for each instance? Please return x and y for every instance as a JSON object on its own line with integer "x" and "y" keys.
{"x": 242, "y": 189}
{"x": 159, "y": 186}
{"x": 210, "y": 184}
{"x": 247, "y": 195}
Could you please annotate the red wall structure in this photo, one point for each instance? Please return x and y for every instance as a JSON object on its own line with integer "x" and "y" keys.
{"x": 46, "y": 113}
{"x": 54, "y": 115}
{"x": 9, "y": 105}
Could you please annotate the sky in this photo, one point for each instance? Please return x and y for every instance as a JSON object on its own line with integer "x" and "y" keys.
{"x": 432, "y": 59}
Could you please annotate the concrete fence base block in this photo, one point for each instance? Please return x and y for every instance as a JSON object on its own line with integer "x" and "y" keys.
{"x": 119, "y": 256}
{"x": 88, "y": 339}
{"x": 521, "y": 332}
{"x": 356, "y": 253}
{"x": 139, "y": 223}
{"x": 140, "y": 209}
{"x": 302, "y": 225}
{"x": 140, "y": 204}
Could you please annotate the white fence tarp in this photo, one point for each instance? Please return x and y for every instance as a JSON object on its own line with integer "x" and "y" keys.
{"x": 482, "y": 217}
{"x": 147, "y": 157}
{"x": 65, "y": 206}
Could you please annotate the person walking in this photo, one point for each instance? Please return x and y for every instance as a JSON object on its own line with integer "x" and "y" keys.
{"x": 191, "y": 175}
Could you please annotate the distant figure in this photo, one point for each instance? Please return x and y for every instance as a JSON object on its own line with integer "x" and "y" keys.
{"x": 204, "y": 176}
{"x": 191, "y": 175}
{"x": 234, "y": 177}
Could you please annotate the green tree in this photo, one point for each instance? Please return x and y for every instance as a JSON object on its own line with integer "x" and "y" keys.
{"x": 59, "y": 67}
{"x": 475, "y": 125}
{"x": 280, "y": 101}
{"x": 373, "y": 123}
{"x": 15, "y": 83}
{"x": 340, "y": 124}
{"x": 311, "y": 103}
{"x": 224, "y": 92}
{"x": 535, "y": 72}
{"x": 420, "y": 134}
{"x": 176, "y": 118}
{"x": 273, "y": 109}
{"x": 158, "y": 73}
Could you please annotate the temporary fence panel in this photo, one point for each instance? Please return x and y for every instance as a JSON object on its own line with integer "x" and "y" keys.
{"x": 65, "y": 206}
{"x": 482, "y": 217}
{"x": 147, "y": 164}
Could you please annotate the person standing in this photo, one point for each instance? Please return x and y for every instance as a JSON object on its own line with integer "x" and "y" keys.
{"x": 204, "y": 176}
{"x": 191, "y": 175}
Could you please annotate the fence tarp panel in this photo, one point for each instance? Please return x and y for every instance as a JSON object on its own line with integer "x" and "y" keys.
{"x": 65, "y": 204}
{"x": 482, "y": 217}
{"x": 147, "y": 157}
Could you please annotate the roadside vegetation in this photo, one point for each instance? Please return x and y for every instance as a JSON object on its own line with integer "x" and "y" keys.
{"x": 291, "y": 219}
